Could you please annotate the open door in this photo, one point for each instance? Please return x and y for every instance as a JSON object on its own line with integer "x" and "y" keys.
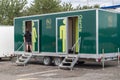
{"x": 67, "y": 34}
{"x": 32, "y": 26}
{"x": 73, "y": 35}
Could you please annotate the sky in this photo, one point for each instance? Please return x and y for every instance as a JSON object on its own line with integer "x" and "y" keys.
{"x": 91, "y": 2}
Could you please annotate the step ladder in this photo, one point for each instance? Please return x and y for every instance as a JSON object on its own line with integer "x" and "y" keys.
{"x": 23, "y": 59}
{"x": 69, "y": 62}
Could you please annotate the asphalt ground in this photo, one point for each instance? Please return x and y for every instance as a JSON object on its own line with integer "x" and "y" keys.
{"x": 37, "y": 71}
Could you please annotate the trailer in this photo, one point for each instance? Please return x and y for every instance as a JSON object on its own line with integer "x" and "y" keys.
{"x": 6, "y": 41}
{"x": 68, "y": 37}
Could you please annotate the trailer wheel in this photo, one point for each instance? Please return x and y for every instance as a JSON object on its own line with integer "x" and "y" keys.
{"x": 47, "y": 61}
{"x": 57, "y": 61}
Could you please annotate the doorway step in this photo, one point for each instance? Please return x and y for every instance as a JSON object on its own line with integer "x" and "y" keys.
{"x": 24, "y": 59}
{"x": 69, "y": 62}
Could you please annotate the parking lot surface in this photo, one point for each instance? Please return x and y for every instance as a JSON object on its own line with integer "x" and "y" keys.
{"x": 38, "y": 71}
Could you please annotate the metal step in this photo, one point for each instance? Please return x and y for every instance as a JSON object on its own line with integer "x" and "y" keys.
{"x": 23, "y": 60}
{"x": 65, "y": 67}
{"x": 69, "y": 59}
{"x": 20, "y": 63}
{"x": 68, "y": 62}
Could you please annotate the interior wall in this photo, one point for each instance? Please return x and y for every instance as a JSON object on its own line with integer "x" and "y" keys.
{"x": 28, "y": 25}
{"x": 69, "y": 33}
{"x": 72, "y": 31}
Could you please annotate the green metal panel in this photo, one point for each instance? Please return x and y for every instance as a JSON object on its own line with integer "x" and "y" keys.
{"x": 61, "y": 35}
{"x": 48, "y": 39}
{"x": 18, "y": 35}
{"x": 87, "y": 32}
{"x": 40, "y": 34}
{"x": 109, "y": 35}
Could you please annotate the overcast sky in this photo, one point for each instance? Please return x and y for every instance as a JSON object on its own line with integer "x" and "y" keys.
{"x": 91, "y": 2}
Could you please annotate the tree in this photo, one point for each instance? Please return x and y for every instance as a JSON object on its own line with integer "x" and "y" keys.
{"x": 78, "y": 7}
{"x": 96, "y": 6}
{"x": 85, "y": 7}
{"x": 67, "y": 7}
{"x": 44, "y": 6}
{"x": 10, "y": 9}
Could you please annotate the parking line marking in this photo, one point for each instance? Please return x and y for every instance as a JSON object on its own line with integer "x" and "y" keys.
{"x": 29, "y": 74}
{"x": 28, "y": 79}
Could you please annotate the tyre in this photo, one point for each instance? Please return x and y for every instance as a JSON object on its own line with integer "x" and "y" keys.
{"x": 47, "y": 61}
{"x": 57, "y": 61}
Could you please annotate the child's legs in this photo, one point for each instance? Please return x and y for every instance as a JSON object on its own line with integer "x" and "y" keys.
{"x": 30, "y": 46}
{"x": 27, "y": 47}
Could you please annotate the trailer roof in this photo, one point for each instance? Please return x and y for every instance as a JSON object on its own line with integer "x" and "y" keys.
{"x": 65, "y": 12}
{"x": 56, "y": 13}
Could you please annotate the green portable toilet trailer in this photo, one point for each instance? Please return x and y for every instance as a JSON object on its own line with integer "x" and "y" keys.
{"x": 91, "y": 34}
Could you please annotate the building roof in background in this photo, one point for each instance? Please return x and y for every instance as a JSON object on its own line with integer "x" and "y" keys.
{"x": 111, "y": 7}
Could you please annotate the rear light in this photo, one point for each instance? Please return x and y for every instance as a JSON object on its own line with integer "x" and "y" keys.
{"x": 99, "y": 59}
{"x": 118, "y": 57}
